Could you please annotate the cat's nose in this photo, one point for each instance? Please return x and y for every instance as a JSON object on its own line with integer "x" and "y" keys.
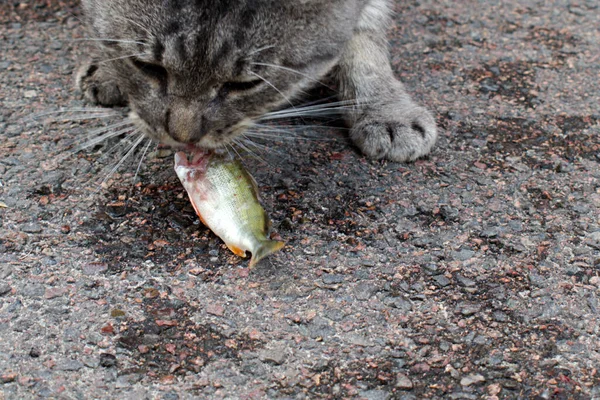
{"x": 185, "y": 125}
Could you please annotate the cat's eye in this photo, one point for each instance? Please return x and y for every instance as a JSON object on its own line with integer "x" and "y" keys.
{"x": 240, "y": 86}
{"x": 152, "y": 70}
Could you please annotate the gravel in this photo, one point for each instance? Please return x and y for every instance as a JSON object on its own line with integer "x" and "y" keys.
{"x": 472, "y": 273}
{"x": 403, "y": 382}
{"x": 4, "y": 289}
{"x": 472, "y": 379}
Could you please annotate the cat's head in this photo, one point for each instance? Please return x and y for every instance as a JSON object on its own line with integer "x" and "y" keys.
{"x": 200, "y": 71}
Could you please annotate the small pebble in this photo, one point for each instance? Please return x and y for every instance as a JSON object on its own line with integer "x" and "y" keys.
{"x": 330, "y": 279}
{"x": 403, "y": 382}
{"x": 465, "y": 281}
{"x": 472, "y": 379}
{"x": 276, "y": 355}
{"x": 469, "y": 309}
{"x": 365, "y": 290}
{"x": 70, "y": 365}
{"x": 441, "y": 280}
{"x": 31, "y": 227}
{"x": 4, "y": 289}
{"x": 8, "y": 377}
{"x": 94, "y": 268}
{"x": 108, "y": 360}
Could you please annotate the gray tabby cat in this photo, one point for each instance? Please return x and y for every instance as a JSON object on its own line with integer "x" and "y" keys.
{"x": 200, "y": 71}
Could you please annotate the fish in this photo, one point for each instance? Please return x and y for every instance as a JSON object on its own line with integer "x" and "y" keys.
{"x": 226, "y": 199}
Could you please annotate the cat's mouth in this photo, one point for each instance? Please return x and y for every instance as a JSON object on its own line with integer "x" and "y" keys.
{"x": 206, "y": 143}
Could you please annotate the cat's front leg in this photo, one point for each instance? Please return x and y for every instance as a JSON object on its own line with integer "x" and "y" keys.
{"x": 97, "y": 83}
{"x": 386, "y": 122}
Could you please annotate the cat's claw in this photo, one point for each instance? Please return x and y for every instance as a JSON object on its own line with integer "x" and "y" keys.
{"x": 395, "y": 132}
{"x": 97, "y": 86}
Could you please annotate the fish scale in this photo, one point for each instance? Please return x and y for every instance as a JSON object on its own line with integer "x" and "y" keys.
{"x": 220, "y": 175}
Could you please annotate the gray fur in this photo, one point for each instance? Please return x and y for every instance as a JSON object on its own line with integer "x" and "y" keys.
{"x": 193, "y": 71}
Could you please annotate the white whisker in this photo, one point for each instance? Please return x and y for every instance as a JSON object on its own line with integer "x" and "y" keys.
{"x": 121, "y": 58}
{"x": 81, "y": 110}
{"x": 236, "y": 152}
{"x": 250, "y": 142}
{"x": 126, "y": 141}
{"x": 245, "y": 148}
{"x": 106, "y": 40}
{"x": 293, "y": 71}
{"x": 321, "y": 101}
{"x": 316, "y": 109}
{"x": 142, "y": 159}
{"x": 298, "y": 127}
{"x": 260, "y": 49}
{"x": 227, "y": 149}
{"x": 136, "y": 143}
{"x": 103, "y": 129}
{"x": 65, "y": 119}
{"x": 112, "y": 126}
{"x": 281, "y": 134}
{"x": 320, "y": 104}
{"x": 309, "y": 113}
{"x": 102, "y": 138}
{"x": 136, "y": 23}
{"x": 335, "y": 108}
{"x": 270, "y": 84}
{"x": 273, "y": 136}
{"x": 105, "y": 132}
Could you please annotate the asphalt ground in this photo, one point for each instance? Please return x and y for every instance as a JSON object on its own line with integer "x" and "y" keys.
{"x": 472, "y": 273}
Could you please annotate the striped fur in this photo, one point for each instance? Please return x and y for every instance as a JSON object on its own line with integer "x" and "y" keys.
{"x": 201, "y": 71}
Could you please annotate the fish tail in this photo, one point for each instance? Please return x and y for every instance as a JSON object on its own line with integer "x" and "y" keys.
{"x": 265, "y": 248}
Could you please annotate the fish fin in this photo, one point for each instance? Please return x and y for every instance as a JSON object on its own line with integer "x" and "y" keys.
{"x": 265, "y": 248}
{"x": 252, "y": 181}
{"x": 237, "y": 251}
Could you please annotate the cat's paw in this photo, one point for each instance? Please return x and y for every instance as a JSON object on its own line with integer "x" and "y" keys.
{"x": 95, "y": 82}
{"x": 397, "y": 132}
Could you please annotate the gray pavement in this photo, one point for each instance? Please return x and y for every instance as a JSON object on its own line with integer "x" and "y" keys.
{"x": 473, "y": 273}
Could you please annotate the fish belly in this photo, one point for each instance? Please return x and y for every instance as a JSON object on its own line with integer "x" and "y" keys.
{"x": 224, "y": 213}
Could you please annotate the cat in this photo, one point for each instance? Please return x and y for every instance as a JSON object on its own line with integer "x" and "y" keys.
{"x": 199, "y": 72}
